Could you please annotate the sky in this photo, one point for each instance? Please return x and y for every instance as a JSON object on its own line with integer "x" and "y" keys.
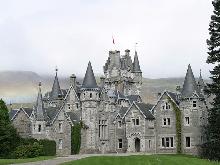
{"x": 39, "y": 35}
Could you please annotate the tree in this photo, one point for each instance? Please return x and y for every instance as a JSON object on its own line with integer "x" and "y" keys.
{"x": 9, "y": 138}
{"x": 211, "y": 149}
{"x": 76, "y": 138}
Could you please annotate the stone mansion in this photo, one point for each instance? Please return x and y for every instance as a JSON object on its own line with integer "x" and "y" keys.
{"x": 114, "y": 117}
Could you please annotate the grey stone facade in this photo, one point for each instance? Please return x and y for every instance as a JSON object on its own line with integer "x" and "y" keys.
{"x": 113, "y": 115}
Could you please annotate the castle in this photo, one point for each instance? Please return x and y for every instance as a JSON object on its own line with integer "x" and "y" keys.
{"x": 114, "y": 118}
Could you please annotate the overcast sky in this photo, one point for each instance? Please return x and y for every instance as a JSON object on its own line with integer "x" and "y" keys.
{"x": 37, "y": 35}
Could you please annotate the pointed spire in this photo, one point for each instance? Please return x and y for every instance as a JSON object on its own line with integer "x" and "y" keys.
{"x": 201, "y": 83}
{"x": 136, "y": 66}
{"x": 56, "y": 91}
{"x": 89, "y": 79}
{"x": 189, "y": 86}
{"x": 40, "y": 111}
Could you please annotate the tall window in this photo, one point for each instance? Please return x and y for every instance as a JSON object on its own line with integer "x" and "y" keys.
{"x": 149, "y": 144}
{"x": 119, "y": 124}
{"x": 60, "y": 144}
{"x": 103, "y": 129}
{"x": 90, "y": 95}
{"x": 60, "y": 127}
{"x": 39, "y": 128}
{"x": 166, "y": 121}
{"x": 167, "y": 142}
{"x": 119, "y": 143}
{"x": 188, "y": 142}
{"x": 194, "y": 104}
{"x": 186, "y": 120}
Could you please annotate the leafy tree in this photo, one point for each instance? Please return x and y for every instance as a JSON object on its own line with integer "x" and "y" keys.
{"x": 211, "y": 149}
{"x": 9, "y": 138}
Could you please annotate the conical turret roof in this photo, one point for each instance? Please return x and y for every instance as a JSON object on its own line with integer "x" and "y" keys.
{"x": 201, "y": 83}
{"x": 190, "y": 85}
{"x": 40, "y": 111}
{"x": 136, "y": 65}
{"x": 56, "y": 91}
{"x": 89, "y": 79}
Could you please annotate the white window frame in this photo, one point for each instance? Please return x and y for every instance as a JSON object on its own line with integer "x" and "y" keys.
{"x": 165, "y": 122}
{"x": 187, "y": 121}
{"x": 120, "y": 142}
{"x": 169, "y": 141}
{"x": 189, "y": 142}
{"x": 194, "y": 102}
{"x": 119, "y": 124}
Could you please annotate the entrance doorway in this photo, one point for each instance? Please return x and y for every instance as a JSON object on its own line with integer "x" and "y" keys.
{"x": 137, "y": 145}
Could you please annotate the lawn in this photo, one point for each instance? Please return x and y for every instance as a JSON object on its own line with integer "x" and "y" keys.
{"x": 11, "y": 161}
{"x": 142, "y": 160}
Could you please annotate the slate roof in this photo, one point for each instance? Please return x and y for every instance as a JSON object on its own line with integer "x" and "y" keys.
{"x": 89, "y": 79}
{"x": 122, "y": 111}
{"x": 133, "y": 98}
{"x": 145, "y": 108}
{"x": 56, "y": 91}
{"x": 136, "y": 65}
{"x": 51, "y": 113}
{"x": 74, "y": 116}
{"x": 173, "y": 96}
{"x": 28, "y": 111}
{"x": 12, "y": 113}
{"x": 190, "y": 85}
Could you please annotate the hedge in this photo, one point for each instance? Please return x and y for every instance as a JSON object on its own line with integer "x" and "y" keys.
{"x": 49, "y": 147}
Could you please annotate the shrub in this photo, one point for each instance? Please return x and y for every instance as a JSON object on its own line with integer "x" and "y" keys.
{"x": 29, "y": 150}
{"x": 49, "y": 147}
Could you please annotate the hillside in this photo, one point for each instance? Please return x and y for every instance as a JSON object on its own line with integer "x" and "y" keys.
{"x": 21, "y": 86}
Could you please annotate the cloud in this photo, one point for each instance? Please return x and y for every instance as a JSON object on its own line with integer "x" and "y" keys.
{"x": 38, "y": 35}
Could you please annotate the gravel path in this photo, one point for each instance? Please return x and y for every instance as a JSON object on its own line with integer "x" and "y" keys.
{"x": 60, "y": 160}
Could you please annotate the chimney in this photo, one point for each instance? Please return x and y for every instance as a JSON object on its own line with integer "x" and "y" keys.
{"x": 73, "y": 80}
{"x": 127, "y": 52}
{"x": 102, "y": 81}
{"x": 158, "y": 95}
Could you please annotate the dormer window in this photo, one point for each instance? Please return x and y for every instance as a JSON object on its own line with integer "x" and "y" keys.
{"x": 194, "y": 104}
{"x": 166, "y": 106}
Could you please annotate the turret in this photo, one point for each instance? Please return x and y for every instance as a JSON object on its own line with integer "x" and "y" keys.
{"x": 201, "y": 84}
{"x": 56, "y": 92}
{"x": 90, "y": 98}
{"x": 73, "y": 80}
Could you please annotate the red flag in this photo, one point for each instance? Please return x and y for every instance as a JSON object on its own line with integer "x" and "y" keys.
{"x": 113, "y": 41}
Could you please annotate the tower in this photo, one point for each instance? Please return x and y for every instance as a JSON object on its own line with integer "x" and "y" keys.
{"x": 90, "y": 98}
{"x": 193, "y": 111}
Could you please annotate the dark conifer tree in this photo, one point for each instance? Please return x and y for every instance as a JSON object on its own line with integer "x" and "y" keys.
{"x": 9, "y": 138}
{"x": 211, "y": 149}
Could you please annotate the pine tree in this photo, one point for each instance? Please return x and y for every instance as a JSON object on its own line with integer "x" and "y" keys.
{"x": 211, "y": 149}
{"x": 9, "y": 138}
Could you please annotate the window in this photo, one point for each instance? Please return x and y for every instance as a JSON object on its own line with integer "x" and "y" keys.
{"x": 103, "y": 129}
{"x": 77, "y": 105}
{"x": 166, "y": 121}
{"x": 39, "y": 128}
{"x": 90, "y": 95}
{"x": 119, "y": 143}
{"x": 187, "y": 141}
{"x": 60, "y": 127}
{"x": 194, "y": 104}
{"x": 166, "y": 106}
{"x": 69, "y": 107}
{"x": 119, "y": 124}
{"x": 167, "y": 142}
{"x": 136, "y": 121}
{"x": 186, "y": 120}
{"x": 149, "y": 143}
{"x": 60, "y": 144}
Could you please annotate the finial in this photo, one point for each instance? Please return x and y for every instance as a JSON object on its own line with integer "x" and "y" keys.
{"x": 135, "y": 46}
{"x": 200, "y": 72}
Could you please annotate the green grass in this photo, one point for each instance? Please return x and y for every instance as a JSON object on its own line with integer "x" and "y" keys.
{"x": 10, "y": 161}
{"x": 142, "y": 160}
